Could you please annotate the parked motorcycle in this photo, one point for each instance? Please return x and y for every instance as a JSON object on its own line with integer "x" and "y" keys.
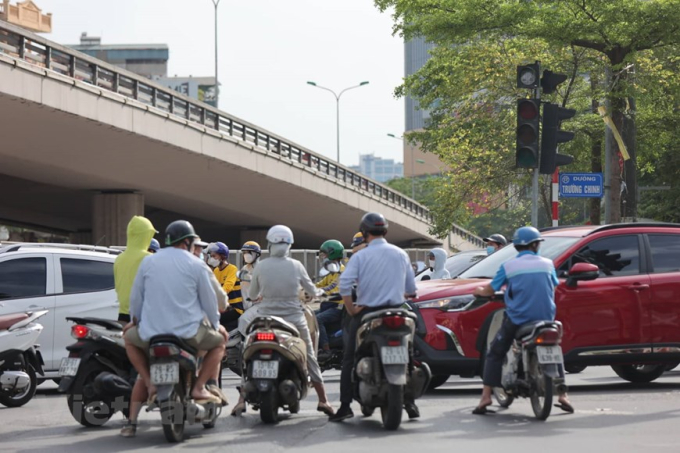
{"x": 97, "y": 376}
{"x": 385, "y": 373}
{"x": 275, "y": 366}
{"x": 20, "y": 358}
{"x": 533, "y": 367}
{"x": 174, "y": 370}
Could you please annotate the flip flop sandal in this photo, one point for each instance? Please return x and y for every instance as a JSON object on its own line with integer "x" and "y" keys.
{"x": 482, "y": 410}
{"x": 239, "y": 409}
{"x": 326, "y": 409}
{"x": 213, "y": 399}
{"x": 216, "y": 391}
{"x": 568, "y": 408}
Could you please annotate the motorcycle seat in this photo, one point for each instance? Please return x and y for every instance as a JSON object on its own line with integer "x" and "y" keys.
{"x": 8, "y": 321}
{"x": 388, "y": 311}
{"x": 174, "y": 340}
{"x": 529, "y": 328}
{"x": 273, "y": 322}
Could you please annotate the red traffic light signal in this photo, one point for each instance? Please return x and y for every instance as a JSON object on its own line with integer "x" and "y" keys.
{"x": 527, "y": 149}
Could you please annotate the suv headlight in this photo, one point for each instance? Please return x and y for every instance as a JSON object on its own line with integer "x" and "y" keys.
{"x": 455, "y": 303}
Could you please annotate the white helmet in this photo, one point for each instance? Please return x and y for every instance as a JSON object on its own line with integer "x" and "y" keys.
{"x": 280, "y": 234}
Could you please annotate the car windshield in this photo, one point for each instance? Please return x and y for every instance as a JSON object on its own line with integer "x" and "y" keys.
{"x": 551, "y": 248}
{"x": 457, "y": 263}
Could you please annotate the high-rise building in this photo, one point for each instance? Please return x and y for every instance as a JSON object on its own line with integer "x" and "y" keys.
{"x": 379, "y": 169}
{"x": 416, "y": 162}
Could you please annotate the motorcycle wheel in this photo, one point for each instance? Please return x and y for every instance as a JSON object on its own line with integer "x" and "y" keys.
{"x": 24, "y": 397}
{"x": 437, "y": 381}
{"x": 367, "y": 411}
{"x": 173, "y": 416}
{"x": 269, "y": 407}
{"x": 502, "y": 397}
{"x": 542, "y": 391}
{"x": 86, "y": 410}
{"x": 391, "y": 413}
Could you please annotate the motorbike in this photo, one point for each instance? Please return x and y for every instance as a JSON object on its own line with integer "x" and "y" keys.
{"x": 20, "y": 357}
{"x": 174, "y": 369}
{"x": 97, "y": 376}
{"x": 332, "y": 360}
{"x": 385, "y": 374}
{"x": 533, "y": 367}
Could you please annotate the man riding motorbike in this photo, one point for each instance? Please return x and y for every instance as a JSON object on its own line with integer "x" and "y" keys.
{"x": 227, "y": 276}
{"x": 529, "y": 296}
{"x": 494, "y": 243}
{"x": 172, "y": 294}
{"x": 277, "y": 280}
{"x": 384, "y": 276}
{"x": 330, "y": 312}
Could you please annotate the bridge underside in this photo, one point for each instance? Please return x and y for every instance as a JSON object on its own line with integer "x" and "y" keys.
{"x": 52, "y": 163}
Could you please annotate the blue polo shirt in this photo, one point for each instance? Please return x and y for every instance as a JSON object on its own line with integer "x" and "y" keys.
{"x": 530, "y": 292}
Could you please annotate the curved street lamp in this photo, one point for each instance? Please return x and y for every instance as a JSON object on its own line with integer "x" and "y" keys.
{"x": 337, "y": 108}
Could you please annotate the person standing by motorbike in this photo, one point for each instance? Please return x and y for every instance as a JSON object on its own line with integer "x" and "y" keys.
{"x": 277, "y": 280}
{"x": 330, "y": 312}
{"x": 529, "y": 296}
{"x": 437, "y": 259}
{"x": 384, "y": 277}
{"x": 172, "y": 294}
{"x": 226, "y": 274}
{"x": 251, "y": 253}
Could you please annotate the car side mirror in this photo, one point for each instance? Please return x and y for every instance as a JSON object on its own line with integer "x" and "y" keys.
{"x": 582, "y": 272}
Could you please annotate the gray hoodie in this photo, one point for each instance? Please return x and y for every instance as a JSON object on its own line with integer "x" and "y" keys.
{"x": 439, "y": 271}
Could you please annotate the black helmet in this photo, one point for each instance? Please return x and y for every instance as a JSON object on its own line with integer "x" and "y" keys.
{"x": 497, "y": 238}
{"x": 373, "y": 223}
{"x": 178, "y": 230}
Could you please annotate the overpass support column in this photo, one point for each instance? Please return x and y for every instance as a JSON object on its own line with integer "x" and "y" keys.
{"x": 111, "y": 213}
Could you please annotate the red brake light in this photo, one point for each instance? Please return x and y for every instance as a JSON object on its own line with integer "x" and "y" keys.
{"x": 265, "y": 336}
{"x": 549, "y": 336}
{"x": 394, "y": 343}
{"x": 265, "y": 351}
{"x": 394, "y": 322}
{"x": 161, "y": 351}
{"x": 79, "y": 331}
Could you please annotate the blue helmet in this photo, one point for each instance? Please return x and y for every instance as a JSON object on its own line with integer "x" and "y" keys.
{"x": 219, "y": 248}
{"x": 155, "y": 245}
{"x": 526, "y": 235}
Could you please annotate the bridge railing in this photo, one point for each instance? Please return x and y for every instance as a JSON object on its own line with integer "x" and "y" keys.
{"x": 22, "y": 44}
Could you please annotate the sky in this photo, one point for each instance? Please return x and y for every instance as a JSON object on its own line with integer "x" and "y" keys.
{"x": 268, "y": 50}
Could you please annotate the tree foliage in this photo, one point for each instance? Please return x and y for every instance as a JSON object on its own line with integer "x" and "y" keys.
{"x": 469, "y": 86}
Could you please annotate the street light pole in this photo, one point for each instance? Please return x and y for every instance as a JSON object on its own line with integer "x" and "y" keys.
{"x": 217, "y": 82}
{"x": 337, "y": 109}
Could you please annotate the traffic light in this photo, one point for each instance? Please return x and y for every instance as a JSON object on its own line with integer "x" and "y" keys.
{"x": 528, "y": 76}
{"x": 552, "y": 136}
{"x": 550, "y": 80}
{"x": 527, "y": 151}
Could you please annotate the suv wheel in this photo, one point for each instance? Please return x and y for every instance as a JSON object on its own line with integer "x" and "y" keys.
{"x": 639, "y": 374}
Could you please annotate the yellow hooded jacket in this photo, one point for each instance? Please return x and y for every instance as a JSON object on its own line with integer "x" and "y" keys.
{"x": 139, "y": 234}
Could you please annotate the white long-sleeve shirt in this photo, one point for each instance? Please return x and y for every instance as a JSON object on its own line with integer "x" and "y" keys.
{"x": 172, "y": 294}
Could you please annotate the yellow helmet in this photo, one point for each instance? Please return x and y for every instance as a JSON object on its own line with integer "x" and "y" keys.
{"x": 251, "y": 246}
{"x": 357, "y": 239}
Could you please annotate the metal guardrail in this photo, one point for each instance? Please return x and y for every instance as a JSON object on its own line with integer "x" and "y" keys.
{"x": 22, "y": 44}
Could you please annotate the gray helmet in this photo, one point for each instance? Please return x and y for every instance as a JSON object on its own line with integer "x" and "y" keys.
{"x": 497, "y": 238}
{"x": 179, "y": 230}
{"x": 374, "y": 223}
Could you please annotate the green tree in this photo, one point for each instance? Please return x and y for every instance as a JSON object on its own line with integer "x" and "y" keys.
{"x": 613, "y": 35}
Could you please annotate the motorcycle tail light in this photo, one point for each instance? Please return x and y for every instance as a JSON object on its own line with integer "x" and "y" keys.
{"x": 394, "y": 322}
{"x": 265, "y": 336}
{"x": 394, "y": 343}
{"x": 80, "y": 332}
{"x": 548, "y": 336}
{"x": 164, "y": 351}
{"x": 265, "y": 351}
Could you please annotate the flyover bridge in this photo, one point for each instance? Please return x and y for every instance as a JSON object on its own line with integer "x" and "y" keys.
{"x": 85, "y": 145}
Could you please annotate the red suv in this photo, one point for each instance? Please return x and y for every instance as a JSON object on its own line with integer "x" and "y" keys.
{"x": 628, "y": 317}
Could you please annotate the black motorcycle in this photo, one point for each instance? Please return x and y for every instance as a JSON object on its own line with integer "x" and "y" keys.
{"x": 97, "y": 376}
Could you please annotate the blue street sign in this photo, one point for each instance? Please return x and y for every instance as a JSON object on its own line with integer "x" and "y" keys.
{"x": 581, "y": 185}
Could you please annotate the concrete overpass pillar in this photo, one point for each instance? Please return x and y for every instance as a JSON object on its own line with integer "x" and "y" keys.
{"x": 111, "y": 213}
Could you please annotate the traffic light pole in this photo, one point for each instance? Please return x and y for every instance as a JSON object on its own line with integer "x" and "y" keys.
{"x": 534, "y": 185}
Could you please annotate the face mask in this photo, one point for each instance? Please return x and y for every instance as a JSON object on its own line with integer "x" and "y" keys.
{"x": 332, "y": 267}
{"x": 490, "y": 249}
{"x": 214, "y": 262}
{"x": 248, "y": 258}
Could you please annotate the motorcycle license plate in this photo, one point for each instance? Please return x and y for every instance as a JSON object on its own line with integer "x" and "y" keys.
{"x": 69, "y": 367}
{"x": 394, "y": 355}
{"x": 165, "y": 373}
{"x": 549, "y": 354}
{"x": 265, "y": 369}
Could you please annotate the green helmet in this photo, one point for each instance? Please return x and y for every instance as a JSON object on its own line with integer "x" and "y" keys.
{"x": 333, "y": 249}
